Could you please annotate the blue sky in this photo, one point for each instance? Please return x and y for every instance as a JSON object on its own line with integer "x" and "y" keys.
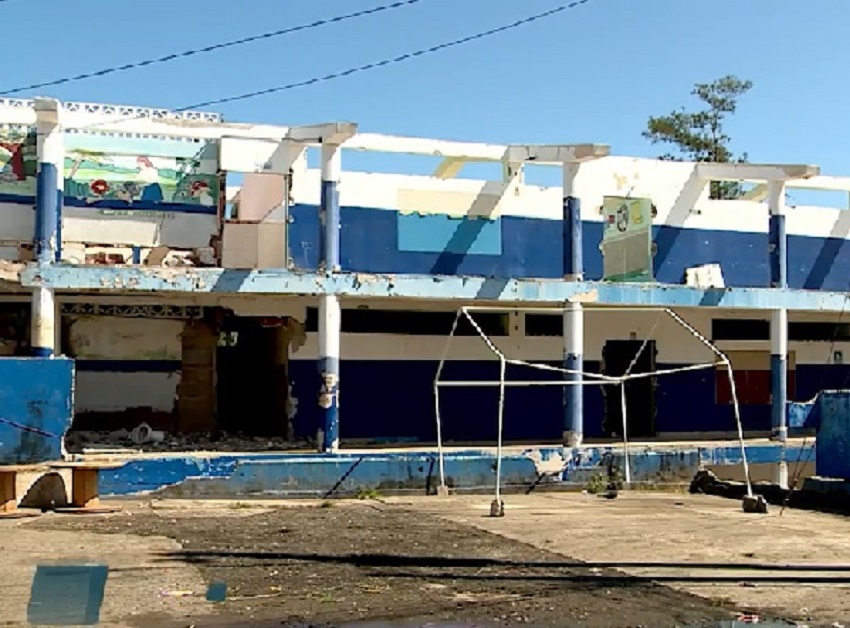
{"x": 590, "y": 74}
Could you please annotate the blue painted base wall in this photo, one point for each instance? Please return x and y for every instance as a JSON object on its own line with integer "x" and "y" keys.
{"x": 293, "y": 475}
{"x": 376, "y": 241}
{"x": 35, "y": 408}
{"x": 395, "y": 399}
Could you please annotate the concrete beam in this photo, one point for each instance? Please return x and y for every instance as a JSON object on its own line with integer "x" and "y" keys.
{"x": 251, "y": 155}
{"x": 460, "y": 289}
{"x": 557, "y": 154}
{"x": 465, "y": 151}
{"x": 449, "y": 168}
{"x": 755, "y": 172}
{"x": 824, "y": 182}
{"x": 328, "y": 133}
{"x": 277, "y": 156}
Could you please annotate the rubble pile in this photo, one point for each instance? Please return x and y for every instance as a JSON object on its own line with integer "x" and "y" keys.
{"x": 144, "y": 439}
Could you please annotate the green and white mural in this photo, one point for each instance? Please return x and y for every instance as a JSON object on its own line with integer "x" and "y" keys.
{"x": 117, "y": 173}
{"x": 130, "y": 173}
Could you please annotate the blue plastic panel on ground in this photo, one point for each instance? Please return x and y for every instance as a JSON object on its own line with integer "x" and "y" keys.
{"x": 36, "y": 408}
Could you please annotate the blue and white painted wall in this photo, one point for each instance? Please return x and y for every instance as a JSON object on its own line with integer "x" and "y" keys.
{"x": 387, "y": 378}
{"x": 426, "y": 225}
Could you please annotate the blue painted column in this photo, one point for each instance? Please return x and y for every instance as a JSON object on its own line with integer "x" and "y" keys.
{"x": 778, "y": 256}
{"x": 573, "y": 312}
{"x": 48, "y": 217}
{"x": 330, "y": 315}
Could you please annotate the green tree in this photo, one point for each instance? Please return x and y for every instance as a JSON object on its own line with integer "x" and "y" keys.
{"x": 700, "y": 135}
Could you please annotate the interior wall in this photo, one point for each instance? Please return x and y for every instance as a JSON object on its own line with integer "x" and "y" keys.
{"x": 125, "y": 364}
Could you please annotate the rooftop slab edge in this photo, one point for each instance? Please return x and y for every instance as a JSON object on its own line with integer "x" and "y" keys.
{"x": 463, "y": 289}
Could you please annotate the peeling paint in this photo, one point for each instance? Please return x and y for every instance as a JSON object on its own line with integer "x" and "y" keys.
{"x": 297, "y": 333}
{"x": 293, "y": 475}
{"x": 448, "y": 288}
{"x": 591, "y": 296}
{"x": 547, "y": 462}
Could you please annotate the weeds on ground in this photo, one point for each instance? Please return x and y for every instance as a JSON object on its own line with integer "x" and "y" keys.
{"x": 602, "y": 482}
{"x": 368, "y": 493}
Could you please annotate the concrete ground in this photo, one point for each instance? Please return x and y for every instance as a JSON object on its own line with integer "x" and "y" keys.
{"x": 700, "y": 544}
{"x": 137, "y": 576}
{"x": 697, "y": 544}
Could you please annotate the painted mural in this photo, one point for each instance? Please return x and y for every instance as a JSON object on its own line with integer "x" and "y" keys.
{"x": 141, "y": 174}
{"x": 18, "y": 163}
{"x": 117, "y": 173}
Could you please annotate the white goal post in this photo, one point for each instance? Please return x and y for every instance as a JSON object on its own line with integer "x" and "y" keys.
{"x": 587, "y": 379}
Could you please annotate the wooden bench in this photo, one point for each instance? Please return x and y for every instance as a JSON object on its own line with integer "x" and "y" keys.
{"x": 85, "y": 489}
{"x": 9, "y": 493}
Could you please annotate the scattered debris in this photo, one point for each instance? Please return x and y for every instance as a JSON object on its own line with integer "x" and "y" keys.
{"x": 92, "y": 442}
{"x": 166, "y": 593}
{"x": 144, "y": 434}
{"x": 754, "y": 503}
{"x": 10, "y": 271}
{"x": 705, "y": 276}
{"x": 104, "y": 259}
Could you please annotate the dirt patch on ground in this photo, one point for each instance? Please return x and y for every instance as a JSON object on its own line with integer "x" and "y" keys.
{"x": 356, "y": 561}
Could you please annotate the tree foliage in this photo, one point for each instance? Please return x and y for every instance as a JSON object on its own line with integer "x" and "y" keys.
{"x": 700, "y": 135}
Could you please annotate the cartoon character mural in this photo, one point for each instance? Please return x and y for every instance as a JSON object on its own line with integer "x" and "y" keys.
{"x": 115, "y": 176}
{"x": 149, "y": 179}
{"x": 18, "y": 163}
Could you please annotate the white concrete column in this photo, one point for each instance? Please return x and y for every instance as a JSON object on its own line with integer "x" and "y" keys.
{"x": 50, "y": 181}
{"x": 43, "y": 322}
{"x": 573, "y": 404}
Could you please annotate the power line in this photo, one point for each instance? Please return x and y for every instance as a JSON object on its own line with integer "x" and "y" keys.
{"x": 390, "y": 61}
{"x": 207, "y": 49}
{"x": 369, "y": 66}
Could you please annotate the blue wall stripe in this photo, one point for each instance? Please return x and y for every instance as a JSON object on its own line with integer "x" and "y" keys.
{"x": 118, "y": 205}
{"x": 685, "y": 401}
{"x": 445, "y": 234}
{"x": 532, "y": 247}
{"x": 533, "y": 413}
{"x": 18, "y": 199}
{"x": 151, "y": 206}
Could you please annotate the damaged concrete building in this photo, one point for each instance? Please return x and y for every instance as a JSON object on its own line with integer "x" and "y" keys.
{"x": 208, "y": 276}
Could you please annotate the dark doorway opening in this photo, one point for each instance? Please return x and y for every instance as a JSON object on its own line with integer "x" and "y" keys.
{"x": 617, "y": 355}
{"x": 252, "y": 382}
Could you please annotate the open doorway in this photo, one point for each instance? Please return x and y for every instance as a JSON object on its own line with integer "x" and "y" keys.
{"x": 617, "y": 355}
{"x": 253, "y": 385}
